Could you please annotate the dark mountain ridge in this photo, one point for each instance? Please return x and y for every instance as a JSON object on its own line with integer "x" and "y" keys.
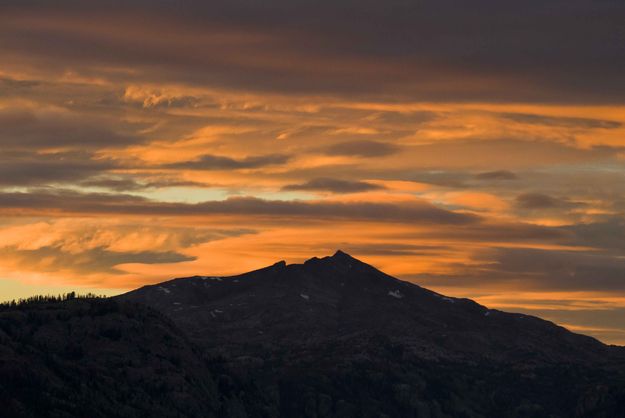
{"x": 342, "y": 297}
{"x": 332, "y": 337}
{"x": 336, "y": 337}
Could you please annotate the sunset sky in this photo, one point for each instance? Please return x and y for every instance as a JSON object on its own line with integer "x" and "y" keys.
{"x": 475, "y": 148}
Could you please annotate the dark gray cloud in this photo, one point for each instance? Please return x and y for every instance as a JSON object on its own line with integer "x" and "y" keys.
{"x": 115, "y": 184}
{"x": 502, "y": 232}
{"x": 362, "y": 149}
{"x": 442, "y": 178}
{"x": 71, "y": 202}
{"x": 125, "y": 184}
{"x": 566, "y": 122}
{"x": 530, "y": 268}
{"x": 437, "y": 50}
{"x": 543, "y": 201}
{"x": 496, "y": 175}
{"x": 461, "y": 179}
{"x": 334, "y": 185}
{"x": 214, "y": 162}
{"x": 402, "y": 118}
{"x": 31, "y": 169}
{"x": 607, "y": 234}
{"x": 23, "y": 129}
{"x": 537, "y": 201}
{"x": 91, "y": 260}
{"x": 562, "y": 269}
{"x": 10, "y": 85}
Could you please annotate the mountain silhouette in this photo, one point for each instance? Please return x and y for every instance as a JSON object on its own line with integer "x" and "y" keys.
{"x": 331, "y": 337}
{"x": 336, "y": 321}
{"x": 342, "y": 297}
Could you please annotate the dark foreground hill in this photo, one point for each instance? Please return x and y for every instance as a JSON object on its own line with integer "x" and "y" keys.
{"x": 92, "y": 357}
{"x": 332, "y": 337}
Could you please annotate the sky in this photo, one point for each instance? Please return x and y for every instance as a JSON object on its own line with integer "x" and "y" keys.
{"x": 474, "y": 148}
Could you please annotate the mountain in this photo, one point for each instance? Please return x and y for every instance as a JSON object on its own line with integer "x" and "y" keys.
{"x": 336, "y": 337}
{"x": 90, "y": 357}
{"x": 332, "y": 337}
{"x": 340, "y": 297}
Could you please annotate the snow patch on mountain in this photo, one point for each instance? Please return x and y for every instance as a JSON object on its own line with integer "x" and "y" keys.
{"x": 216, "y": 312}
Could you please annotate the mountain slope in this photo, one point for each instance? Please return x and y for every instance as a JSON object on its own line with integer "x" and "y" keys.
{"x": 336, "y": 337}
{"x": 340, "y": 297}
{"x": 100, "y": 358}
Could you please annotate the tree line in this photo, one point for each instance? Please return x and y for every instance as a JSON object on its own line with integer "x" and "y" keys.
{"x": 16, "y": 303}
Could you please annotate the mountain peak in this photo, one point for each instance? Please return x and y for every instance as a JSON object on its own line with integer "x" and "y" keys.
{"x": 341, "y": 255}
{"x": 280, "y": 264}
{"x": 338, "y": 258}
{"x": 344, "y": 259}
